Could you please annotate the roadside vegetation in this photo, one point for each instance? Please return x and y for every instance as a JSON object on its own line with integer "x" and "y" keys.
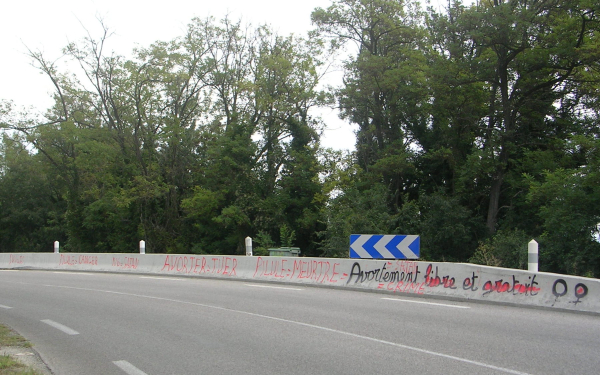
{"x": 8, "y": 365}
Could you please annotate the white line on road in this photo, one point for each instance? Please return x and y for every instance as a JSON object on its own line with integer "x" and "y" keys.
{"x": 366, "y": 338}
{"x": 272, "y": 287}
{"x": 60, "y": 327}
{"x": 5, "y": 307}
{"x": 76, "y": 273}
{"x": 129, "y": 368}
{"x": 427, "y": 303}
{"x": 162, "y": 278}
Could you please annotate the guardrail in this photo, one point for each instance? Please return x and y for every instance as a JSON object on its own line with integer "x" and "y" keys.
{"x": 448, "y": 280}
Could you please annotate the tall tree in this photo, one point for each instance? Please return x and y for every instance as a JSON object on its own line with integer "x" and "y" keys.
{"x": 384, "y": 91}
{"x": 528, "y": 53}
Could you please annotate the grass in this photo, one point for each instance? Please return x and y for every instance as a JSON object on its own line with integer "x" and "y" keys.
{"x": 8, "y": 366}
{"x": 8, "y": 337}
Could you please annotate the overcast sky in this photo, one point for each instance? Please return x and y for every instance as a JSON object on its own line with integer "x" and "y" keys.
{"x": 49, "y": 25}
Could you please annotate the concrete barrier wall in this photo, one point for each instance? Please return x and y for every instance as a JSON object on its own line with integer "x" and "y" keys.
{"x": 453, "y": 280}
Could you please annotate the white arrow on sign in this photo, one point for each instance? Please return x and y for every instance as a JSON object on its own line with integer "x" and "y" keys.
{"x": 357, "y": 246}
{"x": 403, "y": 246}
{"x": 380, "y": 246}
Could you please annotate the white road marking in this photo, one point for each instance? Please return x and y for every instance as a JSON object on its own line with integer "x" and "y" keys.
{"x": 366, "y": 338}
{"x": 427, "y": 303}
{"x": 76, "y": 273}
{"x": 162, "y": 278}
{"x": 272, "y": 287}
{"x": 60, "y": 327}
{"x": 129, "y": 368}
{"x": 5, "y": 307}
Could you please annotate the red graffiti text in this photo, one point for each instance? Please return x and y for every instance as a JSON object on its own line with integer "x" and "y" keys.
{"x": 225, "y": 266}
{"x": 16, "y": 259}
{"x": 514, "y": 287}
{"x": 125, "y": 263}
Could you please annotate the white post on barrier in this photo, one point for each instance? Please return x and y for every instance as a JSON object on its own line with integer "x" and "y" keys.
{"x": 142, "y": 247}
{"x": 248, "y": 246}
{"x": 56, "y": 247}
{"x": 532, "y": 254}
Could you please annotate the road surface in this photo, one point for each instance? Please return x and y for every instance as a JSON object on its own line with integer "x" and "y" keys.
{"x": 98, "y": 323}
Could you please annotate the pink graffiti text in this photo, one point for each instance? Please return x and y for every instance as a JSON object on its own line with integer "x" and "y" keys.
{"x": 433, "y": 280}
{"x": 319, "y": 271}
{"x": 514, "y": 287}
{"x": 16, "y": 259}
{"x": 404, "y": 287}
{"x": 125, "y": 262}
{"x": 225, "y": 266}
{"x": 74, "y": 260}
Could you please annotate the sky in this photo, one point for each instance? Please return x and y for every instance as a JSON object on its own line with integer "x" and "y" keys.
{"x": 47, "y": 26}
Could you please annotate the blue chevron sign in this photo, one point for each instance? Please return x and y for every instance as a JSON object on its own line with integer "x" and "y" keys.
{"x": 380, "y": 246}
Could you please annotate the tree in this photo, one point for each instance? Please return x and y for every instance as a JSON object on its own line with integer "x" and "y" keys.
{"x": 529, "y": 53}
{"x": 384, "y": 88}
{"x": 569, "y": 199}
{"x": 261, "y": 131}
{"x": 30, "y": 204}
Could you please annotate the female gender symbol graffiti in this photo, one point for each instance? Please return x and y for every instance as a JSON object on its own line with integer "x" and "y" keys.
{"x": 581, "y": 290}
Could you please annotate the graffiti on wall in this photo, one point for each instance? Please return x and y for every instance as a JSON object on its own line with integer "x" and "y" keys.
{"x": 406, "y": 277}
{"x": 399, "y": 276}
{"x": 320, "y": 271}
{"x": 75, "y": 259}
{"x": 125, "y": 262}
{"x": 513, "y": 286}
{"x": 16, "y": 259}
{"x": 200, "y": 265}
{"x": 561, "y": 289}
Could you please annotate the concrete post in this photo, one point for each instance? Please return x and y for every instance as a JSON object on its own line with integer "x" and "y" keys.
{"x": 142, "y": 247}
{"x": 532, "y": 252}
{"x": 248, "y": 246}
{"x": 56, "y": 247}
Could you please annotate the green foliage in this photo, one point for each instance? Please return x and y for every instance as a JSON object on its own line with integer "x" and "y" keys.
{"x": 355, "y": 212}
{"x": 30, "y": 220}
{"x": 192, "y": 145}
{"x": 505, "y": 249}
{"x": 448, "y": 228}
{"x": 9, "y": 337}
{"x": 287, "y": 236}
{"x": 568, "y": 201}
{"x": 264, "y": 242}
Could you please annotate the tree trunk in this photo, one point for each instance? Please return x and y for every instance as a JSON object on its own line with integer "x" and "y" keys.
{"x": 493, "y": 207}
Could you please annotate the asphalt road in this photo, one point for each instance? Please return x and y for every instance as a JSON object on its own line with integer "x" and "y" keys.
{"x": 86, "y": 323}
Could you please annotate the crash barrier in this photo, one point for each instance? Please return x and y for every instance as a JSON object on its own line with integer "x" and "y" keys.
{"x": 447, "y": 280}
